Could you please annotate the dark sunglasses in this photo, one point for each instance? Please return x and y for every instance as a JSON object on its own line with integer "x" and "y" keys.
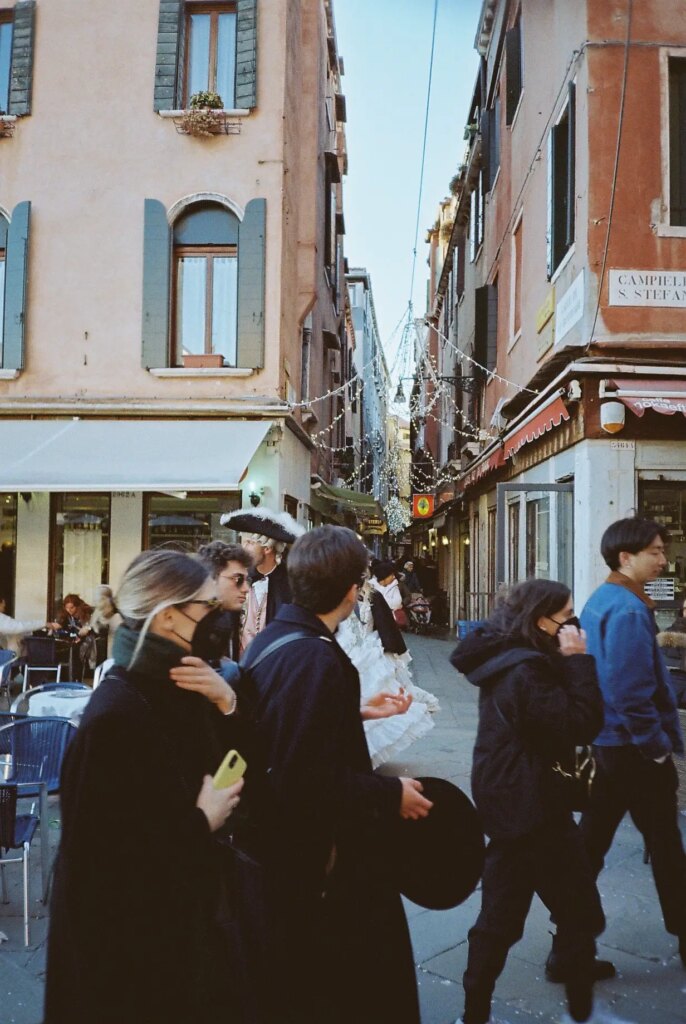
{"x": 238, "y": 578}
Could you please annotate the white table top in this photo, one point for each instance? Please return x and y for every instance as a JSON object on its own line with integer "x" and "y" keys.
{"x": 59, "y": 703}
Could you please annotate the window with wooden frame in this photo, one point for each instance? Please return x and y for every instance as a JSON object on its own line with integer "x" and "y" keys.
{"x": 561, "y": 177}
{"x": 6, "y": 33}
{"x": 205, "y": 284}
{"x": 677, "y": 141}
{"x": 516, "y": 281}
{"x": 513, "y": 69}
{"x": 210, "y": 64}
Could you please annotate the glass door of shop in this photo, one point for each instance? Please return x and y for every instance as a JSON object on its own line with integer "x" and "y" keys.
{"x": 534, "y": 533}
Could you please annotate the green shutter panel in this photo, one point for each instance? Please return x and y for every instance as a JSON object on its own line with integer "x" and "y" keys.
{"x": 251, "y": 277}
{"x": 16, "y": 268}
{"x": 22, "y": 57}
{"x": 513, "y": 71}
{"x": 167, "y": 65}
{"x": 246, "y": 54}
{"x": 156, "y": 275}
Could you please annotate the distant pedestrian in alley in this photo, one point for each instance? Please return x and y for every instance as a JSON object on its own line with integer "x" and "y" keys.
{"x": 633, "y": 752}
{"x": 538, "y": 699}
{"x": 339, "y": 949}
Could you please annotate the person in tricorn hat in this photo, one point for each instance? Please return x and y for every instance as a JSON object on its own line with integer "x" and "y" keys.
{"x": 266, "y": 537}
{"x": 338, "y": 944}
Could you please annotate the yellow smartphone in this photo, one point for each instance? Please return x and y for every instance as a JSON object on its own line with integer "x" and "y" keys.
{"x": 230, "y": 770}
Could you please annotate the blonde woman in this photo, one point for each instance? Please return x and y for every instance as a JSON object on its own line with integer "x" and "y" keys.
{"x": 135, "y": 932}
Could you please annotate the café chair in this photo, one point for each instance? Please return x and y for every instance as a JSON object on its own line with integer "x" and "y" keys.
{"x": 37, "y": 748}
{"x": 41, "y": 658}
{"x": 7, "y": 660}
{"x": 101, "y": 671}
{"x": 16, "y": 833}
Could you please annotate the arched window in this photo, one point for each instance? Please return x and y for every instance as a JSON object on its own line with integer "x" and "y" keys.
{"x": 205, "y": 277}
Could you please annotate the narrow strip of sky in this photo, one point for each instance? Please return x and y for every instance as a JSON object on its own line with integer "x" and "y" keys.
{"x": 386, "y": 45}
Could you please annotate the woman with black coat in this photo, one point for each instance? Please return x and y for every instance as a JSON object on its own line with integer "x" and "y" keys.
{"x": 538, "y": 699}
{"x": 138, "y": 919}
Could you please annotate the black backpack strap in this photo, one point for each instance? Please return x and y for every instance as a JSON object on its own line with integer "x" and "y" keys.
{"x": 273, "y": 647}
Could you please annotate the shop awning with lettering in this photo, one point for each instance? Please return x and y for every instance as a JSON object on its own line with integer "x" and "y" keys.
{"x": 127, "y": 455}
{"x": 665, "y": 395}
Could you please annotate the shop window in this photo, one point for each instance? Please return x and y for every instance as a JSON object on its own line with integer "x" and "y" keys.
{"x": 665, "y": 502}
{"x": 677, "y": 141}
{"x": 490, "y": 547}
{"x": 513, "y": 542}
{"x": 8, "y": 549}
{"x": 538, "y": 538}
{"x": 561, "y": 176}
{"x": 80, "y": 545}
{"x": 187, "y": 523}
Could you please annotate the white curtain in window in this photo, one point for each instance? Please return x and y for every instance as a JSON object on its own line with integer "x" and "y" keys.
{"x": 226, "y": 59}
{"x": 191, "y": 304}
{"x": 199, "y": 60}
{"x": 82, "y": 560}
{"x": 224, "y": 300}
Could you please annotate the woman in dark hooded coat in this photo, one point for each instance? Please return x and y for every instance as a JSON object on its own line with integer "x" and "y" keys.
{"x": 137, "y": 934}
{"x": 538, "y": 699}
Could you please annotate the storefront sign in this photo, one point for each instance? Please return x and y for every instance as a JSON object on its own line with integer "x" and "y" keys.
{"x": 661, "y": 589}
{"x": 623, "y": 446}
{"x": 570, "y": 308}
{"x": 372, "y": 524}
{"x": 648, "y": 288}
{"x": 422, "y": 505}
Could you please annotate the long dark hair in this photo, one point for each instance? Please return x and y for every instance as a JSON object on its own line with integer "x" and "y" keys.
{"x": 519, "y": 610}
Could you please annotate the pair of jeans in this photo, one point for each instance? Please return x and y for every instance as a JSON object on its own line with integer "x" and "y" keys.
{"x": 627, "y": 781}
{"x": 551, "y": 862}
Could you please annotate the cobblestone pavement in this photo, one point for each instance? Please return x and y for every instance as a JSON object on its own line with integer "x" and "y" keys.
{"x": 650, "y": 987}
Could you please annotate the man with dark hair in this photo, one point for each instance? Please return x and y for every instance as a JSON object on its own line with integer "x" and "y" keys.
{"x": 338, "y": 945}
{"x": 633, "y": 752}
{"x": 230, "y": 566}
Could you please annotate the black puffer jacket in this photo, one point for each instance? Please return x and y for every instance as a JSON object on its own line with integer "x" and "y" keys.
{"x": 534, "y": 709}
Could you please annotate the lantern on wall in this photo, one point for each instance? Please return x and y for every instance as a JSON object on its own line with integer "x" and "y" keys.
{"x": 612, "y": 416}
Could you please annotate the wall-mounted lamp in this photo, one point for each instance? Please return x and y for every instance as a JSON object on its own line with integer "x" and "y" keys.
{"x": 445, "y": 541}
{"x": 255, "y": 493}
{"x": 466, "y": 542}
{"x": 612, "y": 415}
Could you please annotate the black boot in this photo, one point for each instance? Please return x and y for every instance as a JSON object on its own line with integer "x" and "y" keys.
{"x": 558, "y": 971}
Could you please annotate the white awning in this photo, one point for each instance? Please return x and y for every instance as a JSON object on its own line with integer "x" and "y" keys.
{"x": 127, "y": 455}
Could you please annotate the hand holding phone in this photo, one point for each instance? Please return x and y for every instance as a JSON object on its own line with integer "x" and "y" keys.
{"x": 230, "y": 770}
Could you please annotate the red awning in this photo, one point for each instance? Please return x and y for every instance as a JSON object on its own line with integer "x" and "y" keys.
{"x": 545, "y": 419}
{"x": 487, "y": 466}
{"x": 664, "y": 395}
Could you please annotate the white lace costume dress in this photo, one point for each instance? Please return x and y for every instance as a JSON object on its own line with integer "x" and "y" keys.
{"x": 386, "y": 737}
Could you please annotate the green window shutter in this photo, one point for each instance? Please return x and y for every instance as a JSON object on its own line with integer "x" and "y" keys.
{"x": 22, "y": 57}
{"x": 246, "y": 54}
{"x": 16, "y": 268}
{"x": 156, "y": 276}
{"x": 251, "y": 275}
{"x": 167, "y": 63}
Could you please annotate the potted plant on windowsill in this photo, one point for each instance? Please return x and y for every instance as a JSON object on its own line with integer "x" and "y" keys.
{"x": 208, "y": 360}
{"x": 205, "y": 115}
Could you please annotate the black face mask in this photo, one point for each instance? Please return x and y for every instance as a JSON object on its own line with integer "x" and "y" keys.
{"x": 211, "y": 638}
{"x": 573, "y": 621}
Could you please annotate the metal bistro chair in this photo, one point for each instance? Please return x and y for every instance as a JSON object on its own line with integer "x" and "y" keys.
{"x": 20, "y": 704}
{"x": 41, "y": 657}
{"x": 37, "y": 749}
{"x": 16, "y": 833}
{"x": 101, "y": 671}
{"x": 7, "y": 660}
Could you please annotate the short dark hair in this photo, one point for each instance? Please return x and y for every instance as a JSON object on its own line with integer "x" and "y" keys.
{"x": 519, "y": 610}
{"x": 382, "y": 568}
{"x": 632, "y": 535}
{"x": 216, "y": 555}
{"x": 323, "y": 564}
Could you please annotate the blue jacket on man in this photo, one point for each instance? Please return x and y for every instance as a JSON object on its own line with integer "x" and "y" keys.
{"x": 640, "y": 707}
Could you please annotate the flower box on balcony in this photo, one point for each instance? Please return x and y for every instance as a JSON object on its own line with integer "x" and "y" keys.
{"x": 210, "y": 359}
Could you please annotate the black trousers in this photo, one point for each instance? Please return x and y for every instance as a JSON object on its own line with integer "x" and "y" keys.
{"x": 551, "y": 862}
{"x": 626, "y": 781}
